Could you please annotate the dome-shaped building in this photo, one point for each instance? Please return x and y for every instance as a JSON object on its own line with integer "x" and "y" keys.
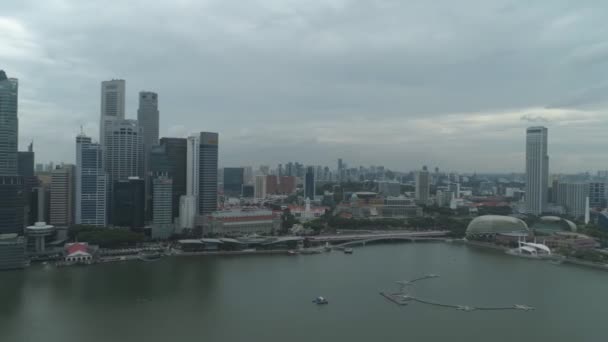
{"x": 490, "y": 225}
{"x": 548, "y": 225}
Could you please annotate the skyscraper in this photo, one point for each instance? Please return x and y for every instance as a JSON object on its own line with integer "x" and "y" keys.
{"x": 192, "y": 165}
{"x": 112, "y": 104}
{"x": 123, "y": 149}
{"x": 309, "y": 183}
{"x": 162, "y": 207}
{"x": 9, "y": 124}
{"x": 208, "y": 161}
{"x": 259, "y": 191}
{"x": 537, "y": 170}
{"x": 233, "y": 181}
{"x": 128, "y": 203}
{"x": 423, "y": 183}
{"x": 91, "y": 183}
{"x": 147, "y": 117}
{"x": 62, "y": 196}
{"x": 176, "y": 155}
{"x": 11, "y": 184}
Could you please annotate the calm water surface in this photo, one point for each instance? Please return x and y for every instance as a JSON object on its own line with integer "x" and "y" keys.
{"x": 268, "y": 298}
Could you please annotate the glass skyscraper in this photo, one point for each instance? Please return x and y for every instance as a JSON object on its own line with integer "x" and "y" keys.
{"x": 208, "y": 161}
{"x": 11, "y": 184}
{"x": 91, "y": 183}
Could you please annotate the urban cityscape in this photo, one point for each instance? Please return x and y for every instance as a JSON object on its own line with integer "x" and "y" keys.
{"x": 132, "y": 194}
{"x": 303, "y": 171}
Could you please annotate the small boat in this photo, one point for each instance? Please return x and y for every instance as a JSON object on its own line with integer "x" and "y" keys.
{"x": 327, "y": 247}
{"x": 348, "y": 251}
{"x": 290, "y": 252}
{"x": 320, "y": 301}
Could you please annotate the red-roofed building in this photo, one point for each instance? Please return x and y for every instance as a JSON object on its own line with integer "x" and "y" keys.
{"x": 78, "y": 252}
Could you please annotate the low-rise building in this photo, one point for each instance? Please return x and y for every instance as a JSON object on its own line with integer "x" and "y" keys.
{"x": 241, "y": 221}
{"x": 78, "y": 252}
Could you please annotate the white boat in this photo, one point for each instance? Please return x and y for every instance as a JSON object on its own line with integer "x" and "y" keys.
{"x": 320, "y": 301}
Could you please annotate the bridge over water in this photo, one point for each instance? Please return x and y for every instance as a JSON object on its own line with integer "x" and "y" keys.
{"x": 361, "y": 239}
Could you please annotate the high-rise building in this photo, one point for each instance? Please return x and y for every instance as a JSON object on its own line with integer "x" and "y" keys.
{"x": 123, "y": 149}
{"x": 25, "y": 169}
{"x": 537, "y": 170}
{"x": 208, "y": 161}
{"x": 11, "y": 205}
{"x": 112, "y": 104}
{"x": 248, "y": 175}
{"x": 9, "y": 125}
{"x": 147, "y": 117}
{"x": 573, "y": 197}
{"x": 11, "y": 184}
{"x": 91, "y": 183}
{"x": 158, "y": 166}
{"x": 188, "y": 208}
{"x": 233, "y": 181}
{"x": 62, "y": 196}
{"x": 192, "y": 165}
{"x": 128, "y": 208}
{"x": 162, "y": 197}
{"x": 423, "y": 184}
{"x": 176, "y": 149}
{"x": 597, "y": 195}
{"x": 259, "y": 191}
{"x": 309, "y": 183}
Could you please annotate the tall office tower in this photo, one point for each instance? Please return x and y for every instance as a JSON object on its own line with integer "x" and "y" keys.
{"x": 11, "y": 184}
{"x": 188, "y": 208}
{"x": 176, "y": 149}
{"x": 207, "y": 183}
{"x": 123, "y": 149}
{"x": 162, "y": 207}
{"x": 192, "y": 165}
{"x": 597, "y": 195}
{"x": 537, "y": 170}
{"x": 158, "y": 166}
{"x": 91, "y": 183}
{"x": 423, "y": 183}
{"x": 128, "y": 203}
{"x": 259, "y": 190}
{"x": 62, "y": 196}
{"x": 309, "y": 183}
{"x": 9, "y": 125}
{"x": 233, "y": 181}
{"x": 25, "y": 169}
{"x": 147, "y": 117}
{"x": 112, "y": 104}
{"x": 248, "y": 175}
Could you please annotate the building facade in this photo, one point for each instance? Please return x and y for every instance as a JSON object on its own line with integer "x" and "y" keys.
{"x": 259, "y": 191}
{"x": 91, "y": 184}
{"x": 192, "y": 164}
{"x": 162, "y": 201}
{"x": 176, "y": 154}
{"x": 537, "y": 170}
{"x": 309, "y": 183}
{"x": 112, "y": 104}
{"x": 597, "y": 195}
{"x": 423, "y": 184}
{"x": 239, "y": 222}
{"x": 128, "y": 203}
{"x": 208, "y": 163}
{"x": 147, "y": 117}
{"x": 62, "y": 196}
{"x": 233, "y": 181}
{"x": 123, "y": 149}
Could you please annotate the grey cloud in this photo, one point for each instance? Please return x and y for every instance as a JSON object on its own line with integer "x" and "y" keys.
{"x": 266, "y": 66}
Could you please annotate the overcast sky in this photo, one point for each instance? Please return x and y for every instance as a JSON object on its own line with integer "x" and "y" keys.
{"x": 398, "y": 83}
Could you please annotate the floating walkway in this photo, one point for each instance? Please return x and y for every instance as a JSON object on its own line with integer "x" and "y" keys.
{"x": 401, "y": 298}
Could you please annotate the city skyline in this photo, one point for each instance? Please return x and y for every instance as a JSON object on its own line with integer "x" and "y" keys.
{"x": 431, "y": 91}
